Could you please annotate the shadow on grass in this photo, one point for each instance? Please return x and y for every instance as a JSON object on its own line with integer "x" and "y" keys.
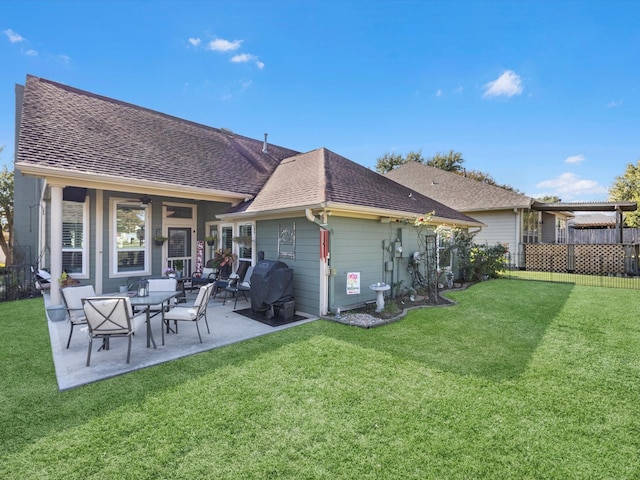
{"x": 491, "y": 332}
{"x": 33, "y": 407}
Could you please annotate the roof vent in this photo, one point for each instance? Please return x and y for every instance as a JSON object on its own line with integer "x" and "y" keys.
{"x": 265, "y": 144}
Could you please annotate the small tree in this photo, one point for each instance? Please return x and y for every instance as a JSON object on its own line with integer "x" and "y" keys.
{"x": 626, "y": 187}
{"x": 6, "y": 214}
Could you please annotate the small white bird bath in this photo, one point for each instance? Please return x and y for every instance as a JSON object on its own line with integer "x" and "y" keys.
{"x": 379, "y": 288}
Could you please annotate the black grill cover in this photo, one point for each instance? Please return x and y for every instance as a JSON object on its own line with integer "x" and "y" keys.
{"x": 271, "y": 282}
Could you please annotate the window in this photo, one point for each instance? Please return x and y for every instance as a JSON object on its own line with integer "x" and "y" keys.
{"x": 561, "y": 230}
{"x": 131, "y": 246}
{"x": 74, "y": 232}
{"x": 444, "y": 237}
{"x": 226, "y": 239}
{"x": 245, "y": 244}
{"x": 530, "y": 227}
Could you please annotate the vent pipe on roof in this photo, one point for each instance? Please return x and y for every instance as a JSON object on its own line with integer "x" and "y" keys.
{"x": 265, "y": 145}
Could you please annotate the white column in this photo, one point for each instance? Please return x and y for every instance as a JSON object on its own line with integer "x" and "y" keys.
{"x": 55, "y": 242}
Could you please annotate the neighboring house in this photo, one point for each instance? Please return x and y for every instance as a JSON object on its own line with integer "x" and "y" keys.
{"x": 107, "y": 177}
{"x": 511, "y": 218}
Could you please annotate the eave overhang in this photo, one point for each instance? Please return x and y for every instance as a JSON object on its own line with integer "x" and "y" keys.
{"x": 66, "y": 178}
{"x": 345, "y": 210}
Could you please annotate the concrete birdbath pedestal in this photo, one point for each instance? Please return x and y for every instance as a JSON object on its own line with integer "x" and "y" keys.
{"x": 379, "y": 288}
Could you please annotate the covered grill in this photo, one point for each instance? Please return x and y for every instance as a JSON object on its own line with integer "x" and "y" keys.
{"x": 272, "y": 288}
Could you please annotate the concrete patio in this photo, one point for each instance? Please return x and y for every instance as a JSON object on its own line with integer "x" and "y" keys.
{"x": 226, "y": 327}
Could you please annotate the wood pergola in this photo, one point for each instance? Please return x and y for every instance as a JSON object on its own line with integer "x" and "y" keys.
{"x": 617, "y": 207}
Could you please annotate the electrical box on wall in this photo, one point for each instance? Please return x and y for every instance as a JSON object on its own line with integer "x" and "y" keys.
{"x": 397, "y": 249}
{"x": 388, "y": 266}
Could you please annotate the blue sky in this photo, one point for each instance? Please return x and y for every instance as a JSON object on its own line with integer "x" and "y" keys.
{"x": 543, "y": 96}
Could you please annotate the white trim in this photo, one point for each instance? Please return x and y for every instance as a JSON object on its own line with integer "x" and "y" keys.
{"x": 113, "y": 230}
{"x": 85, "y": 248}
{"x": 99, "y": 252}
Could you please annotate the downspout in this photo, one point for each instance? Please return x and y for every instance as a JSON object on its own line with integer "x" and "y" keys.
{"x": 323, "y": 267}
{"x": 313, "y": 219}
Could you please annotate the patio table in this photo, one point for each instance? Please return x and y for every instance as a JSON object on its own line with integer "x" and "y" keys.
{"x": 153, "y": 298}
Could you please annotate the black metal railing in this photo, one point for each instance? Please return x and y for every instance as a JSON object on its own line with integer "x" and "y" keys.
{"x": 17, "y": 282}
{"x": 615, "y": 271}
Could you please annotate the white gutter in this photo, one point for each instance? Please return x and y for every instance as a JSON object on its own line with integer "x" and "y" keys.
{"x": 309, "y": 214}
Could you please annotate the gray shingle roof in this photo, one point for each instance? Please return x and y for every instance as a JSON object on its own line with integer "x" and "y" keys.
{"x": 66, "y": 128}
{"x": 324, "y": 177}
{"x": 463, "y": 194}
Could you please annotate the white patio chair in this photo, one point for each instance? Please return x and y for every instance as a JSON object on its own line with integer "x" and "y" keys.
{"x": 192, "y": 313}
{"x": 109, "y": 317}
{"x": 168, "y": 284}
{"x": 72, "y": 297}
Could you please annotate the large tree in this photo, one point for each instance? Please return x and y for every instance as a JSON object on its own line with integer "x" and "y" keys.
{"x": 626, "y": 187}
{"x": 389, "y": 161}
{"x": 451, "y": 162}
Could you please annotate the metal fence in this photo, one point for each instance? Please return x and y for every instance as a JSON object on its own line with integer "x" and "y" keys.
{"x": 615, "y": 271}
{"x": 17, "y": 282}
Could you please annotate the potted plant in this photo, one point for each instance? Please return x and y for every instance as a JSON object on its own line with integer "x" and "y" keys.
{"x": 169, "y": 272}
{"x": 159, "y": 240}
{"x": 178, "y": 265}
{"x": 224, "y": 257}
{"x": 242, "y": 240}
{"x": 65, "y": 280}
{"x": 211, "y": 240}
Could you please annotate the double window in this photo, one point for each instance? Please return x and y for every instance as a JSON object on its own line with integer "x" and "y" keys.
{"x": 236, "y": 238}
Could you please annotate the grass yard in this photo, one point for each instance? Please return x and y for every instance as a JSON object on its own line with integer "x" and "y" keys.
{"x": 523, "y": 380}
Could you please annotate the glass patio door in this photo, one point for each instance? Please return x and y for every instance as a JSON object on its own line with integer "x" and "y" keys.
{"x": 179, "y": 249}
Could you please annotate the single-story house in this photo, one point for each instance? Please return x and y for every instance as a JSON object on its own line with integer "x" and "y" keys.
{"x": 98, "y": 180}
{"x": 510, "y": 218}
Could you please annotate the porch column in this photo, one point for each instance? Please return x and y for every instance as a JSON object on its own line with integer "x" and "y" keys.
{"x": 55, "y": 241}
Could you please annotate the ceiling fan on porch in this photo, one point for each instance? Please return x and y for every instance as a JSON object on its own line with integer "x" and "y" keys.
{"x": 144, "y": 200}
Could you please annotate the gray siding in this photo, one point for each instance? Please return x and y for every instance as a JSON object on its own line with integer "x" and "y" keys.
{"x": 26, "y": 201}
{"x": 357, "y": 246}
{"x": 305, "y": 265}
{"x": 501, "y": 227}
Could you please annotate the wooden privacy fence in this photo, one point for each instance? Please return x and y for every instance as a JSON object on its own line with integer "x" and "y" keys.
{"x": 621, "y": 259}
{"x": 607, "y": 236}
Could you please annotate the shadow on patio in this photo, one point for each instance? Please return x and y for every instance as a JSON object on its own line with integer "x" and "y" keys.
{"x": 226, "y": 327}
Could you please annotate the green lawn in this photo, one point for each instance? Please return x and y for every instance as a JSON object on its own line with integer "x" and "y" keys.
{"x": 518, "y": 380}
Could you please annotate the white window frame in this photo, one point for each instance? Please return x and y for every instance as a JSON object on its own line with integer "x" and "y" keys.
{"x": 84, "y": 248}
{"x": 113, "y": 241}
{"x": 253, "y": 241}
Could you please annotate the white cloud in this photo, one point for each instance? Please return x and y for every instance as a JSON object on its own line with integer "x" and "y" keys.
{"x": 458, "y": 90}
{"x": 195, "y": 41}
{"x": 66, "y": 59}
{"x": 439, "y": 92}
{"x": 568, "y": 186}
{"x": 221, "y": 45}
{"x": 13, "y": 36}
{"x": 613, "y": 103}
{"x": 31, "y": 52}
{"x": 247, "y": 57}
{"x": 506, "y": 85}
{"x": 242, "y": 58}
{"x": 574, "y": 159}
